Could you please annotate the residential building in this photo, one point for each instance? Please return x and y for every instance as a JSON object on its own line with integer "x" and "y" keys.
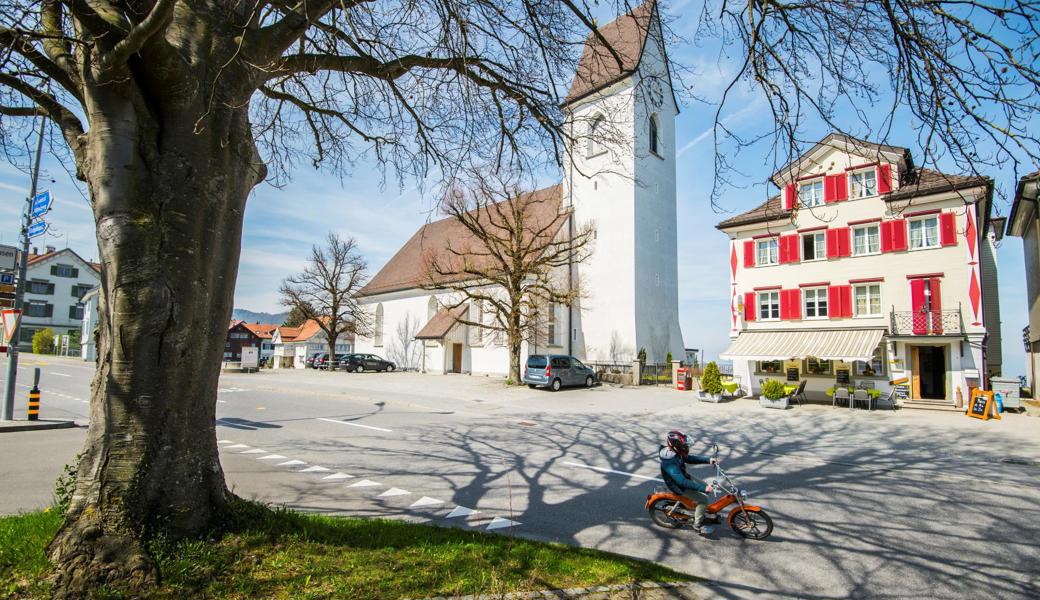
{"x": 293, "y": 345}
{"x": 867, "y": 268}
{"x": 256, "y": 335}
{"x": 55, "y": 284}
{"x": 1024, "y": 222}
{"x": 621, "y": 179}
{"x": 87, "y": 343}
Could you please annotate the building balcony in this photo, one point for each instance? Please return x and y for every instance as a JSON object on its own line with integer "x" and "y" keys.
{"x": 926, "y": 323}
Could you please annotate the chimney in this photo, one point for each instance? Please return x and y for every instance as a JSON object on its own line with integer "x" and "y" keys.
{"x": 35, "y": 251}
{"x": 50, "y": 249}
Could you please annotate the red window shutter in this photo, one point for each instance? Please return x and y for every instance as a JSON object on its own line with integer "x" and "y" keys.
{"x": 937, "y": 325}
{"x": 832, "y": 243}
{"x": 919, "y": 316}
{"x": 789, "y": 196}
{"x": 794, "y": 304}
{"x": 898, "y": 235}
{"x": 948, "y": 229}
{"x": 844, "y": 235}
{"x": 828, "y": 189}
{"x": 834, "y": 302}
{"x": 841, "y": 187}
{"x": 749, "y": 306}
{"x": 884, "y": 179}
{"x": 788, "y": 248}
{"x": 749, "y": 253}
{"x": 845, "y": 294}
{"x": 886, "y": 236}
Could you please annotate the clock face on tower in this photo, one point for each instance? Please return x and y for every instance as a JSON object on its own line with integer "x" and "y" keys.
{"x": 654, "y": 92}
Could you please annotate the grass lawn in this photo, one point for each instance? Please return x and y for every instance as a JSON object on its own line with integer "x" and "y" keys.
{"x": 282, "y": 554}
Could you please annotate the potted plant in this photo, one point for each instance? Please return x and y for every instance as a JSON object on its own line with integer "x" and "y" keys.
{"x": 773, "y": 394}
{"x": 711, "y": 384}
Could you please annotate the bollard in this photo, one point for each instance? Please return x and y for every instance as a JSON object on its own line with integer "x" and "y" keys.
{"x": 34, "y": 398}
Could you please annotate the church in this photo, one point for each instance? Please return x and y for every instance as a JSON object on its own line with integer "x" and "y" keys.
{"x": 620, "y": 110}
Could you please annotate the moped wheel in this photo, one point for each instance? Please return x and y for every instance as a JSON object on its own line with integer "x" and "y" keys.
{"x": 751, "y": 524}
{"x": 659, "y": 514}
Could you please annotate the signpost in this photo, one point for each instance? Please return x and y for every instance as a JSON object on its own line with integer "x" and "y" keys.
{"x": 41, "y": 205}
{"x": 38, "y": 228}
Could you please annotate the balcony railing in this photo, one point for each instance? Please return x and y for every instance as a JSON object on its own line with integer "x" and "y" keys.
{"x": 927, "y": 322}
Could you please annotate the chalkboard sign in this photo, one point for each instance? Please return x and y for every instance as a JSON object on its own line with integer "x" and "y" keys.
{"x": 843, "y": 376}
{"x": 792, "y": 374}
{"x": 902, "y": 392}
{"x": 982, "y": 406}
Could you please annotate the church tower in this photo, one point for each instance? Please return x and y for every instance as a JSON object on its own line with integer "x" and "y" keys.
{"x": 619, "y": 174}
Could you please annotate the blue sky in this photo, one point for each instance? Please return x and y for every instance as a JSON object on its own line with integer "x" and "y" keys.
{"x": 281, "y": 224}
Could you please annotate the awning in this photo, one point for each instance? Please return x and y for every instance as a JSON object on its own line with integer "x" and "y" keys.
{"x": 441, "y": 323}
{"x": 826, "y": 344}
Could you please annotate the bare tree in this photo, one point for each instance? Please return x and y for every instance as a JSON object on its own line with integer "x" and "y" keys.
{"x": 513, "y": 259}
{"x": 326, "y": 290}
{"x": 404, "y": 349}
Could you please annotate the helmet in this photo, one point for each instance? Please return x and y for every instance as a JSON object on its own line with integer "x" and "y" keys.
{"x": 678, "y": 442}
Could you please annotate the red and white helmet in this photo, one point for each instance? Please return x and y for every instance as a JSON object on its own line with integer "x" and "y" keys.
{"x": 678, "y": 442}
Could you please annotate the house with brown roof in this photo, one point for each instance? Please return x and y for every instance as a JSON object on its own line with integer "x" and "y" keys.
{"x": 56, "y": 281}
{"x": 256, "y": 335}
{"x": 867, "y": 269}
{"x": 292, "y": 346}
{"x": 619, "y": 174}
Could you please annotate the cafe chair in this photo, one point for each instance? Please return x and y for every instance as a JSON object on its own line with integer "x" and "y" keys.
{"x": 889, "y": 400}
{"x": 862, "y": 396}
{"x": 840, "y": 394}
{"x": 799, "y": 394}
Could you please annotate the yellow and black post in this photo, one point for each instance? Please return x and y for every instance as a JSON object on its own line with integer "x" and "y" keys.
{"x": 34, "y": 398}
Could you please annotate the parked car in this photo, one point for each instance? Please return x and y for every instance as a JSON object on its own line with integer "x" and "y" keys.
{"x": 337, "y": 362}
{"x": 554, "y": 371}
{"x": 357, "y": 363}
{"x": 314, "y": 360}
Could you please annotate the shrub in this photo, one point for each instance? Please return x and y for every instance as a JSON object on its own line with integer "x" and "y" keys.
{"x": 711, "y": 380}
{"x": 43, "y": 341}
{"x": 668, "y": 358}
{"x": 773, "y": 389}
{"x": 641, "y": 356}
{"x": 65, "y": 486}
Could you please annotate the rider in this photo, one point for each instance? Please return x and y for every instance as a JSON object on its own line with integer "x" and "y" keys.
{"x": 675, "y": 455}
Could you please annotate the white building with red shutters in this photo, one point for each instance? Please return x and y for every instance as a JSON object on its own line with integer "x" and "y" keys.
{"x": 866, "y": 268}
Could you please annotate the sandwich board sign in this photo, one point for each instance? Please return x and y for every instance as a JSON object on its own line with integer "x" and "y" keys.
{"x": 982, "y": 405}
{"x": 10, "y": 318}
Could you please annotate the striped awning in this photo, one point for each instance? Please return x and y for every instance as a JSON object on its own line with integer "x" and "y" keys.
{"x": 825, "y": 344}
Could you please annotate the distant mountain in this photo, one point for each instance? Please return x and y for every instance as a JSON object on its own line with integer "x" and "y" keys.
{"x": 249, "y": 316}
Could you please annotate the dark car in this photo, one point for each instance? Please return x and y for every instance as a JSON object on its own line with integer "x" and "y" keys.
{"x": 356, "y": 363}
{"x": 314, "y": 360}
{"x": 338, "y": 362}
{"x": 555, "y": 371}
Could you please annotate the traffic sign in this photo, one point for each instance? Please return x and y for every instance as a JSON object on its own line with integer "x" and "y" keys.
{"x": 38, "y": 228}
{"x": 41, "y": 204}
{"x": 6, "y": 278}
{"x": 10, "y": 318}
{"x": 8, "y": 257}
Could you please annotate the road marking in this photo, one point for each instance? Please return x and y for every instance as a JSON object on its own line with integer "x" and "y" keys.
{"x": 394, "y": 492}
{"x": 499, "y": 523}
{"x": 254, "y": 451}
{"x": 225, "y": 442}
{"x": 316, "y": 469}
{"x": 338, "y": 475}
{"x": 603, "y": 470}
{"x": 235, "y": 446}
{"x": 230, "y": 390}
{"x": 365, "y": 483}
{"x": 291, "y": 463}
{"x": 425, "y": 501}
{"x": 355, "y": 424}
{"x": 272, "y": 457}
{"x": 59, "y": 374}
{"x": 461, "y": 511}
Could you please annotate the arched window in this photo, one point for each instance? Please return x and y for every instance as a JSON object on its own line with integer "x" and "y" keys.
{"x": 594, "y": 146}
{"x": 431, "y": 308}
{"x": 378, "y": 328}
{"x": 654, "y": 143}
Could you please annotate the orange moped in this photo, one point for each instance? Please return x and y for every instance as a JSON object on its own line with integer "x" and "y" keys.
{"x": 670, "y": 510}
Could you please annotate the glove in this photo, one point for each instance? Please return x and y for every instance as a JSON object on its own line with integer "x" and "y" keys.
{"x": 708, "y": 489}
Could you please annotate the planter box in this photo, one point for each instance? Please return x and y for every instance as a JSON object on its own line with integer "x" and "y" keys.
{"x": 781, "y": 403}
{"x": 706, "y": 397}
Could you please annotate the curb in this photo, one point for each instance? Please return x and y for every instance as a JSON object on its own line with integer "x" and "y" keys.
{"x": 12, "y": 426}
{"x": 642, "y": 589}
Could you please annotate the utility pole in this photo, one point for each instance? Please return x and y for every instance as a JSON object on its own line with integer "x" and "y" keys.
{"x": 19, "y": 292}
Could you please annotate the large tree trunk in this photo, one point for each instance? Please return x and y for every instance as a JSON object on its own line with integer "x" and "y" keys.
{"x": 168, "y": 204}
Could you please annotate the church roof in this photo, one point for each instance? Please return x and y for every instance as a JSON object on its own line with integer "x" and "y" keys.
{"x": 408, "y": 269}
{"x": 598, "y": 67}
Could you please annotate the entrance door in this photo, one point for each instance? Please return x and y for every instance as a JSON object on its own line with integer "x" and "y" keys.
{"x": 929, "y": 364}
{"x": 456, "y": 358}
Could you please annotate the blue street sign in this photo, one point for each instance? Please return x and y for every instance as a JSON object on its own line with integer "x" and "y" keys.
{"x": 6, "y": 278}
{"x": 38, "y": 228}
{"x": 41, "y": 203}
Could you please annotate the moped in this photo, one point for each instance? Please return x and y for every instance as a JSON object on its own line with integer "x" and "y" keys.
{"x": 670, "y": 510}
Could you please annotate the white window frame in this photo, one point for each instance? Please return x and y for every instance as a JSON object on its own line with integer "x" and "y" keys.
{"x": 924, "y": 228}
{"x": 774, "y": 304}
{"x": 654, "y": 139}
{"x": 819, "y": 246}
{"x": 865, "y": 227}
{"x": 819, "y": 293}
{"x": 594, "y": 147}
{"x": 772, "y": 252}
{"x": 853, "y": 195}
{"x": 869, "y": 296}
{"x": 377, "y": 329}
{"x": 813, "y": 199}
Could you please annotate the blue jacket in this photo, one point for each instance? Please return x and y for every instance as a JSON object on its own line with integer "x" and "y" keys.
{"x": 673, "y": 470}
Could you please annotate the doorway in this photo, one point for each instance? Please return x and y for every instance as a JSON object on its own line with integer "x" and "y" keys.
{"x": 929, "y": 364}
{"x": 456, "y": 358}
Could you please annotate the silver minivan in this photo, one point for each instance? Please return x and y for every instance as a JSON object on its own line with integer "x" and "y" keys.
{"x": 554, "y": 371}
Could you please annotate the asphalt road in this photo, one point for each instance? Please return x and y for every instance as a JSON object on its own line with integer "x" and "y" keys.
{"x": 903, "y": 504}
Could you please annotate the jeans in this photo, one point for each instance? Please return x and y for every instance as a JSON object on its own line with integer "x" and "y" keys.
{"x": 702, "y": 505}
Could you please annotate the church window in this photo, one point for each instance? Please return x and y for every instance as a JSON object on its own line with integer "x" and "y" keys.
{"x": 431, "y": 308}
{"x": 595, "y": 146}
{"x": 654, "y": 143}
{"x": 378, "y": 328}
